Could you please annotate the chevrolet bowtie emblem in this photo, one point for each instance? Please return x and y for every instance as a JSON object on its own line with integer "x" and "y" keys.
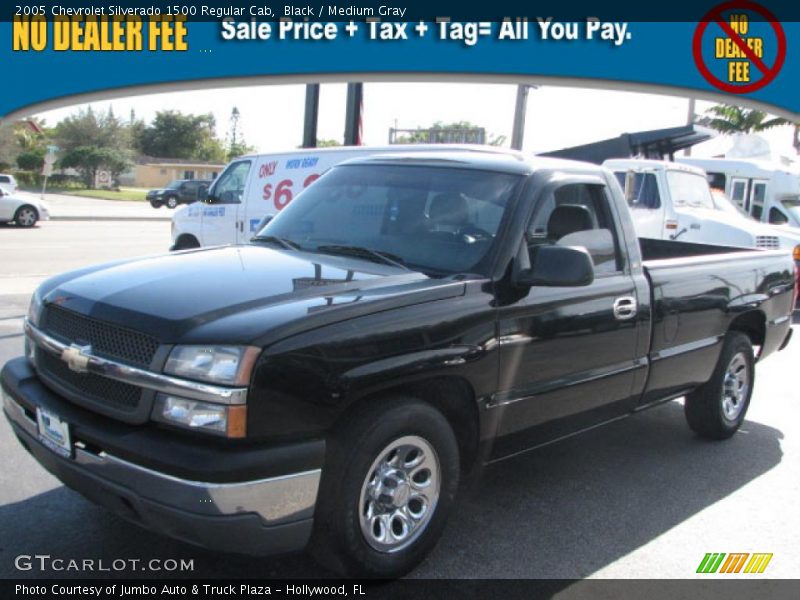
{"x": 77, "y": 357}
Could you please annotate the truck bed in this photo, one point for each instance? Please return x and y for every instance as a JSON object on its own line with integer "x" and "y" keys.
{"x": 696, "y": 292}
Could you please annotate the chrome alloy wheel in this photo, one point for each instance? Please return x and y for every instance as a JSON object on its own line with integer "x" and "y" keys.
{"x": 399, "y": 495}
{"x": 735, "y": 387}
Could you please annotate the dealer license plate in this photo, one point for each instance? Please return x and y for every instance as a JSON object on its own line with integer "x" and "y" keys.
{"x": 54, "y": 433}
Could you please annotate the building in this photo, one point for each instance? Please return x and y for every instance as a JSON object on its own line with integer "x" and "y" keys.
{"x": 150, "y": 172}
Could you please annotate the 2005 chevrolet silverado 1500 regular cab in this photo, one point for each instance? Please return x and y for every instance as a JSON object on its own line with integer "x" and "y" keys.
{"x": 405, "y": 318}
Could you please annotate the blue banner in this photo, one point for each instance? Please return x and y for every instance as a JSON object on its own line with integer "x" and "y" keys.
{"x": 736, "y": 48}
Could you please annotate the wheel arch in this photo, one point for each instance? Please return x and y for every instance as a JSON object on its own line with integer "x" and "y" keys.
{"x": 453, "y": 396}
{"x": 186, "y": 238}
{"x": 753, "y": 324}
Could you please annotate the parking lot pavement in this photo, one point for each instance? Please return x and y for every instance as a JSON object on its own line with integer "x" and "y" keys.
{"x": 639, "y": 498}
{"x": 64, "y": 207}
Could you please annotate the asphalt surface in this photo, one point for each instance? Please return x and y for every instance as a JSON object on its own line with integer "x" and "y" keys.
{"x": 71, "y": 208}
{"x": 639, "y": 498}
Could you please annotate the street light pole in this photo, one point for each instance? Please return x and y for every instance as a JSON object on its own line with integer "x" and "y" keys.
{"x": 690, "y": 121}
{"x": 311, "y": 116}
{"x": 520, "y": 111}
{"x": 354, "y": 105}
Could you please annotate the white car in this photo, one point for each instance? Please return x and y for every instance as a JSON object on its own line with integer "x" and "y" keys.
{"x": 23, "y": 212}
{"x": 7, "y": 182}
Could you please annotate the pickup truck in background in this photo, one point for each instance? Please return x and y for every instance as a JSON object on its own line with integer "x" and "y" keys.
{"x": 670, "y": 200}
{"x": 408, "y": 317}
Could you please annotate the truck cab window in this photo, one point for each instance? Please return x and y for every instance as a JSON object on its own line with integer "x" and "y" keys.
{"x": 641, "y": 189}
{"x": 578, "y": 214}
{"x": 229, "y": 187}
{"x": 716, "y": 181}
{"x": 776, "y": 217}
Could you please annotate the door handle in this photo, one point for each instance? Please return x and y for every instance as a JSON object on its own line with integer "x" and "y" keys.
{"x": 625, "y": 308}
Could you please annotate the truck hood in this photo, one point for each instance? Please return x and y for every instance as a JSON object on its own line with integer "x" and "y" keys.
{"x": 787, "y": 232}
{"x": 725, "y": 221}
{"x": 788, "y": 237}
{"x": 239, "y": 294}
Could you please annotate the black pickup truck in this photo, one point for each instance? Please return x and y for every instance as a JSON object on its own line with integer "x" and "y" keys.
{"x": 405, "y": 319}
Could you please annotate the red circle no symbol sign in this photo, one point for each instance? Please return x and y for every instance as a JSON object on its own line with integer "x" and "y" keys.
{"x": 768, "y": 73}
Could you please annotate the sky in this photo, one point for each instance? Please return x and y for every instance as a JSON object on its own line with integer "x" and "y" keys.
{"x": 557, "y": 117}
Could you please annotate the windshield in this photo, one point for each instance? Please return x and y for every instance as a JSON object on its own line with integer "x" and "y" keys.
{"x": 689, "y": 190}
{"x": 435, "y": 220}
{"x": 723, "y": 203}
{"x": 175, "y": 184}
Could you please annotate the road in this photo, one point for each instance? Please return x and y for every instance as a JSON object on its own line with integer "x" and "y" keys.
{"x": 640, "y": 498}
{"x": 63, "y": 206}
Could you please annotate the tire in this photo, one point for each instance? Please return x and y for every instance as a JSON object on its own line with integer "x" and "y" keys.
{"x": 26, "y": 216}
{"x": 172, "y": 202}
{"x": 186, "y": 242}
{"x": 717, "y": 409}
{"x": 365, "y": 474}
{"x": 155, "y": 204}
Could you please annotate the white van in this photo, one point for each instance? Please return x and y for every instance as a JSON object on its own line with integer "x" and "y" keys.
{"x": 674, "y": 201}
{"x": 767, "y": 191}
{"x": 254, "y": 187}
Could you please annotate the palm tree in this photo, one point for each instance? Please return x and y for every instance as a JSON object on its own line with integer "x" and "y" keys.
{"x": 734, "y": 119}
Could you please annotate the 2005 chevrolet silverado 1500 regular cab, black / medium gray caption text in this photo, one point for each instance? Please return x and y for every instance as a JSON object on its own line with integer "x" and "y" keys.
{"x": 407, "y": 317}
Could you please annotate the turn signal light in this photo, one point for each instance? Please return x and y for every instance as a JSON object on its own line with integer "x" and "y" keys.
{"x": 796, "y": 253}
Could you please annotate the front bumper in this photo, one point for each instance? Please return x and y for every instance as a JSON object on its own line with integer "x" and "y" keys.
{"x": 261, "y": 516}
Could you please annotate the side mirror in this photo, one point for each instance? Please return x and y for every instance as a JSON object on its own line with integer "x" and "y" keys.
{"x": 202, "y": 193}
{"x": 557, "y": 266}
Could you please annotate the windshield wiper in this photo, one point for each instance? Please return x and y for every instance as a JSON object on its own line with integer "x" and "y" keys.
{"x": 361, "y": 252}
{"x": 286, "y": 243}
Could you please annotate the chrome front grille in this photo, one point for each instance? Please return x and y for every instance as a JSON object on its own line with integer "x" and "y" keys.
{"x": 111, "y": 341}
{"x": 96, "y": 389}
{"x": 108, "y": 396}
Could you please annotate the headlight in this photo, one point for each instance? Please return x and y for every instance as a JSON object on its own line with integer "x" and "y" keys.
{"x": 227, "y": 365}
{"x": 221, "y": 419}
{"x": 35, "y": 309}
